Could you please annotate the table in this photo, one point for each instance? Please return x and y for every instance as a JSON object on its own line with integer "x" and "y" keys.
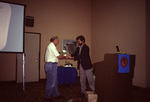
{"x": 66, "y": 75}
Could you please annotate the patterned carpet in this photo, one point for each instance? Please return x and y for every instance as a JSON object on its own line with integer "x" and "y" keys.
{"x": 34, "y": 92}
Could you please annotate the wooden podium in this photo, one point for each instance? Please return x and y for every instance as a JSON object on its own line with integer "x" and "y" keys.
{"x": 114, "y": 77}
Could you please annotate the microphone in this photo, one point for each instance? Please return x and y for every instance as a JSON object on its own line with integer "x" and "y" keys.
{"x": 117, "y": 47}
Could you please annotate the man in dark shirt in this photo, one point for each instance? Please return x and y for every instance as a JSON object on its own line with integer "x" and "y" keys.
{"x": 85, "y": 66}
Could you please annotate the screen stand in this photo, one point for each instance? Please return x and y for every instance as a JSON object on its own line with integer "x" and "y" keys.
{"x": 23, "y": 73}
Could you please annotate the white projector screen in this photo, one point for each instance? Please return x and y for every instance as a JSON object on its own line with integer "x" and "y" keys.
{"x": 11, "y": 27}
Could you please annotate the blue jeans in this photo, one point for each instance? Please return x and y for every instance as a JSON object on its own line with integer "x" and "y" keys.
{"x": 51, "y": 82}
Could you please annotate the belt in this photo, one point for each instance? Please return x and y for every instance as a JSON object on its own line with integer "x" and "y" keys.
{"x": 52, "y": 62}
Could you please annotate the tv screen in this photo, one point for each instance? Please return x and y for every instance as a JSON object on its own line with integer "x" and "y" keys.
{"x": 11, "y": 27}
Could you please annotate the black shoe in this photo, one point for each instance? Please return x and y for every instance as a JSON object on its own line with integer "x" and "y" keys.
{"x": 49, "y": 100}
{"x": 60, "y": 97}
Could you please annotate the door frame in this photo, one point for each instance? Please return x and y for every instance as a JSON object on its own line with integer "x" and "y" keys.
{"x": 24, "y": 50}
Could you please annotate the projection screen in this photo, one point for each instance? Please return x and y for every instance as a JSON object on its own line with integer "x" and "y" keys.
{"x": 11, "y": 27}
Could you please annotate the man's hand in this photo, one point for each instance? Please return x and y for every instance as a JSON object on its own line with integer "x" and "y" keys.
{"x": 68, "y": 56}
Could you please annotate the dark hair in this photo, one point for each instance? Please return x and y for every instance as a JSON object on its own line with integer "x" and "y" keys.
{"x": 81, "y": 38}
{"x": 53, "y": 38}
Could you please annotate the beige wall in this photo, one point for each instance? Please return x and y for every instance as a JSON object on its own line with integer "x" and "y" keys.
{"x": 7, "y": 66}
{"x": 123, "y": 23}
{"x": 65, "y": 18}
{"x": 147, "y": 42}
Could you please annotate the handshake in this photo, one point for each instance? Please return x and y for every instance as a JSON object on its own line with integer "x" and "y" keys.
{"x": 66, "y": 55}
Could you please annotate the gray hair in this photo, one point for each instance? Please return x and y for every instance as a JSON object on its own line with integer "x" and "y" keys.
{"x": 53, "y": 38}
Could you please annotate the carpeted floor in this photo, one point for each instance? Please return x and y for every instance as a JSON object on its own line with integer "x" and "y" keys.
{"x": 34, "y": 92}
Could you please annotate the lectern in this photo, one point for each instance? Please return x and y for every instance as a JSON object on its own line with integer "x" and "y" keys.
{"x": 114, "y": 77}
